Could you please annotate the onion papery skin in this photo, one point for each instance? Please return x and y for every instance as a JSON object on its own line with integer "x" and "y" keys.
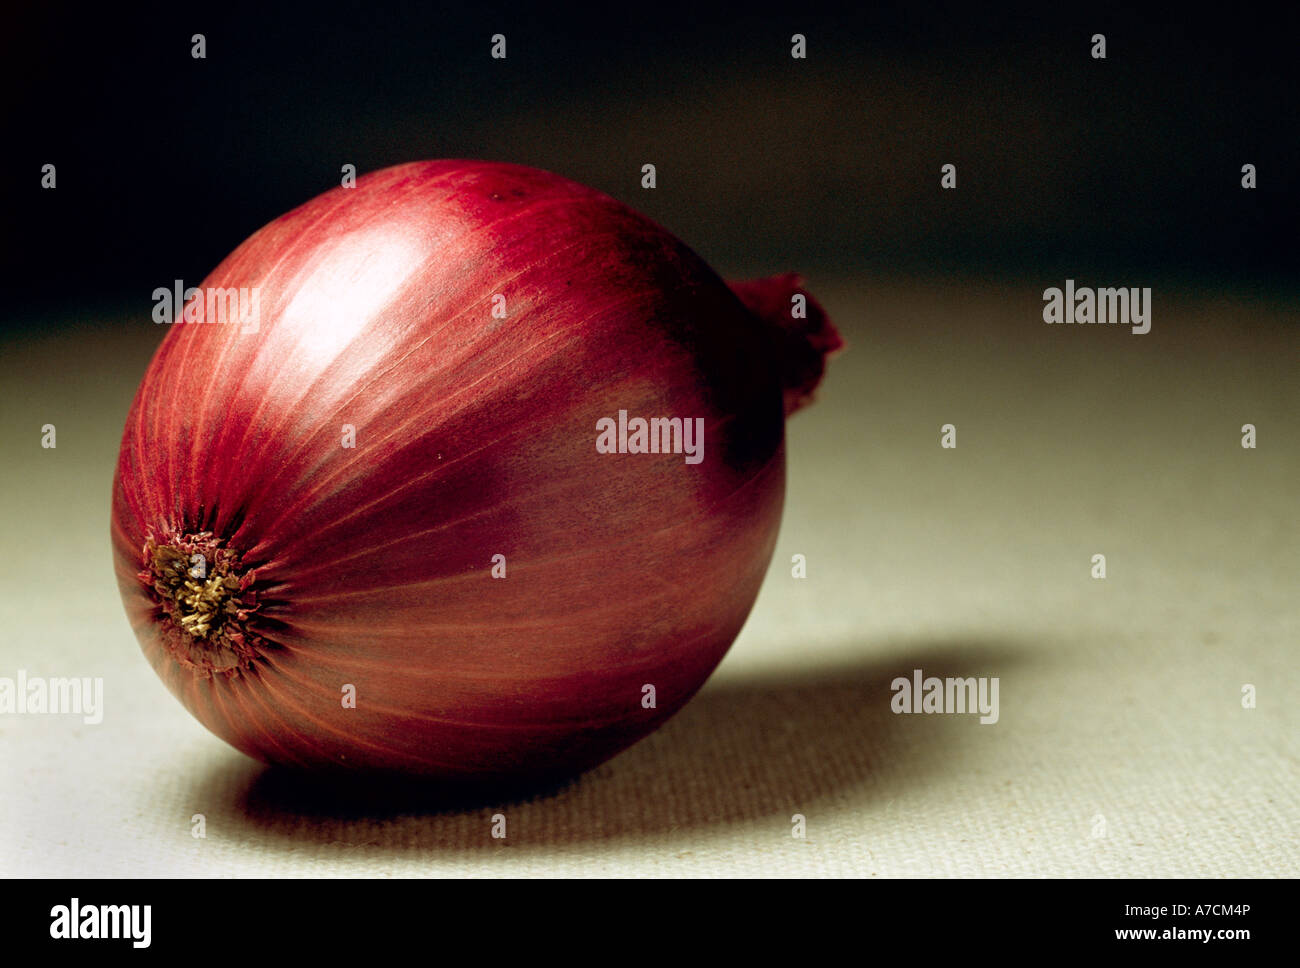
{"x": 370, "y": 567}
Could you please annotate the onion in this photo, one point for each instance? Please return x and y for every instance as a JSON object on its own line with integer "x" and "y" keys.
{"x": 369, "y": 527}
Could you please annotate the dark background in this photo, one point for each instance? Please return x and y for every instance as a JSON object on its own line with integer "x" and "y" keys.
{"x": 1066, "y": 165}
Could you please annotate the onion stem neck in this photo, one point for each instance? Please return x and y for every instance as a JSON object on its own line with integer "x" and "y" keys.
{"x": 803, "y": 335}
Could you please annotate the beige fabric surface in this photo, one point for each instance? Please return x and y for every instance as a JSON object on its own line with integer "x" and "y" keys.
{"x": 1122, "y": 747}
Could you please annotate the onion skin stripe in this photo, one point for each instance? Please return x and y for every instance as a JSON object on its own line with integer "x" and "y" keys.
{"x": 305, "y": 237}
{"x": 261, "y": 724}
{"x": 325, "y": 658}
{"x": 419, "y": 418}
{"x": 532, "y": 562}
{"x": 404, "y": 714}
{"x": 324, "y": 726}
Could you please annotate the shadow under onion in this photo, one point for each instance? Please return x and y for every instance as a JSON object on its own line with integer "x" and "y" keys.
{"x": 741, "y": 751}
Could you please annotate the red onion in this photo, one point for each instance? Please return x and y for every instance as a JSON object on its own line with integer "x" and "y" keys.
{"x": 326, "y": 605}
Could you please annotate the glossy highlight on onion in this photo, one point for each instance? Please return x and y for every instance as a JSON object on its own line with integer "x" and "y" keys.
{"x": 371, "y": 529}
